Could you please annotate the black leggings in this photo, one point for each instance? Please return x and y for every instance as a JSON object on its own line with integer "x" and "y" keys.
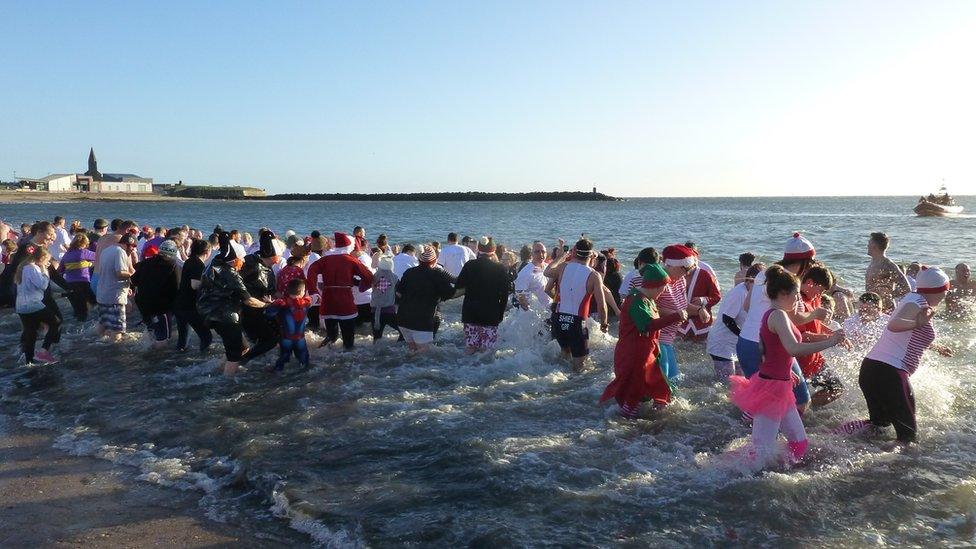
{"x": 80, "y": 296}
{"x": 889, "y": 397}
{"x": 386, "y": 319}
{"x": 348, "y": 328}
{"x": 31, "y": 326}
{"x": 262, "y": 331}
{"x": 230, "y": 334}
{"x": 191, "y": 319}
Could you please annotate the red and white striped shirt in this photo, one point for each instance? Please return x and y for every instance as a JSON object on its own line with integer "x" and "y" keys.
{"x": 903, "y": 350}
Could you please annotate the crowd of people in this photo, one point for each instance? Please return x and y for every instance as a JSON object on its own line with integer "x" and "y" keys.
{"x": 765, "y": 336}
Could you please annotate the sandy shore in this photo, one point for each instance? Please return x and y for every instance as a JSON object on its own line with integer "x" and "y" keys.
{"x": 51, "y": 499}
{"x": 15, "y": 197}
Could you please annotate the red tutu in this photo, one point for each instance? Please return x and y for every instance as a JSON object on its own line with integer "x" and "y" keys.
{"x": 758, "y": 396}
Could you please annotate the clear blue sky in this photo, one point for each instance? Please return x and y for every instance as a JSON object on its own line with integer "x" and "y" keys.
{"x": 640, "y": 99}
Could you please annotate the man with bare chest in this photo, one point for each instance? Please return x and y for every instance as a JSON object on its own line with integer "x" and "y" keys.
{"x": 883, "y": 276}
{"x": 961, "y": 299}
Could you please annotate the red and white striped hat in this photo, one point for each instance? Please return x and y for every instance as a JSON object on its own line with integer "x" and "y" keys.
{"x": 798, "y": 248}
{"x": 931, "y": 280}
{"x": 677, "y": 255}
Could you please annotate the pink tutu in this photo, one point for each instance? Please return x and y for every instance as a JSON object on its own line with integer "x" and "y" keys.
{"x": 759, "y": 396}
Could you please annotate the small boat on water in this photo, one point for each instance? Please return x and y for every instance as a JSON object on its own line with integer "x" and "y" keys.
{"x": 940, "y": 205}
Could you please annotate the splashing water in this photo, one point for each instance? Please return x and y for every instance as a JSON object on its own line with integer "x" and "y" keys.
{"x": 375, "y": 447}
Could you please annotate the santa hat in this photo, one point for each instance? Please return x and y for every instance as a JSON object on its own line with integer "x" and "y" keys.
{"x": 931, "y": 280}
{"x": 267, "y": 247}
{"x": 677, "y": 255}
{"x": 654, "y": 276}
{"x": 798, "y": 248}
{"x": 486, "y": 245}
{"x": 428, "y": 254}
{"x": 343, "y": 244}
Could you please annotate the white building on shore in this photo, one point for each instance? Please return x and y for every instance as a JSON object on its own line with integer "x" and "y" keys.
{"x": 92, "y": 181}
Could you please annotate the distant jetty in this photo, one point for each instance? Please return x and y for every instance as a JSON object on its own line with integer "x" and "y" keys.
{"x": 453, "y": 197}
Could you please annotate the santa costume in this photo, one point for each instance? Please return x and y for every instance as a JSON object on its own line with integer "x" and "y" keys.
{"x": 334, "y": 276}
{"x": 703, "y": 289}
{"x": 637, "y": 367}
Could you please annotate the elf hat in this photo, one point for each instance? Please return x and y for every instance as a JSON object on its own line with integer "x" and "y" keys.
{"x": 654, "y": 276}
{"x": 931, "y": 280}
{"x": 677, "y": 255}
{"x": 798, "y": 248}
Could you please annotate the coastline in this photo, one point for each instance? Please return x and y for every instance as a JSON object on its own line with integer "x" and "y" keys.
{"x": 52, "y": 498}
{"x": 17, "y": 197}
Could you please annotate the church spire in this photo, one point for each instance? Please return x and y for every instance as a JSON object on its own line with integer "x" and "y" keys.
{"x": 93, "y": 165}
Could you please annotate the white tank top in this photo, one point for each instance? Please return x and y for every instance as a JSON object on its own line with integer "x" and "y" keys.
{"x": 903, "y": 350}
{"x": 574, "y": 299}
{"x": 758, "y": 305}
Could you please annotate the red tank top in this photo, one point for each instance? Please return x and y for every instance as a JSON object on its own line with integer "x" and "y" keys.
{"x": 777, "y": 361}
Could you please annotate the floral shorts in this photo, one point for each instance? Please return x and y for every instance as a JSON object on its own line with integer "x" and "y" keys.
{"x": 481, "y": 337}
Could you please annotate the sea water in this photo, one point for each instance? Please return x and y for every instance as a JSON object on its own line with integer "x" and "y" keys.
{"x": 377, "y": 448}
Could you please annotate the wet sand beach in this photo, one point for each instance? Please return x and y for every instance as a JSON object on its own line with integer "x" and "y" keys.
{"x": 51, "y": 499}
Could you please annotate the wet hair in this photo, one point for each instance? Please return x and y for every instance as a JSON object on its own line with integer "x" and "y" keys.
{"x": 583, "y": 248}
{"x": 357, "y": 229}
{"x": 500, "y": 250}
{"x": 647, "y": 255}
{"x": 870, "y": 297}
{"x": 40, "y": 252}
{"x": 408, "y": 248}
{"x": 880, "y": 240}
{"x": 779, "y": 281}
{"x": 381, "y": 240}
{"x": 691, "y": 245}
{"x": 525, "y": 254}
{"x": 296, "y": 286}
{"x": 79, "y": 242}
{"x": 754, "y": 270}
{"x": 452, "y": 237}
{"x": 827, "y": 301}
{"x": 819, "y": 274}
{"x": 747, "y": 259}
{"x": 199, "y": 247}
{"x": 58, "y": 219}
{"x": 315, "y": 234}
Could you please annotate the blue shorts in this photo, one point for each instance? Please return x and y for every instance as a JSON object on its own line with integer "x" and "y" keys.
{"x": 750, "y": 357}
{"x": 669, "y": 361}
